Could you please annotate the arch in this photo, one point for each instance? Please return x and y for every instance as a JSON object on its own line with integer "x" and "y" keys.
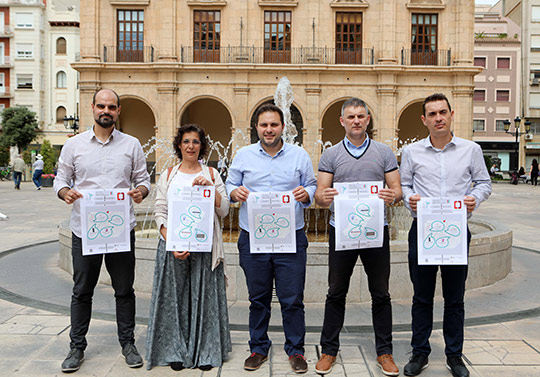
{"x": 61, "y": 80}
{"x": 410, "y": 126}
{"x": 60, "y": 114}
{"x": 61, "y": 45}
{"x": 199, "y": 97}
{"x": 297, "y": 118}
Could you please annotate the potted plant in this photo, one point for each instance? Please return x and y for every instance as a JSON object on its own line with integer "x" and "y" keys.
{"x": 49, "y": 160}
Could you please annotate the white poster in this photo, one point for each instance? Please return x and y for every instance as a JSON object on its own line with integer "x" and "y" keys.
{"x": 271, "y": 222}
{"x": 190, "y": 222}
{"x": 442, "y": 231}
{"x": 358, "y": 215}
{"x": 105, "y": 221}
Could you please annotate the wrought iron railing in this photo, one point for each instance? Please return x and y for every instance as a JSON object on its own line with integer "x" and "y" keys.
{"x": 114, "y": 54}
{"x": 415, "y": 57}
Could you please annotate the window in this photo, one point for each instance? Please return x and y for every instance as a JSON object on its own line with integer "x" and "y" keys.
{"x": 60, "y": 114}
{"x": 503, "y": 63}
{"x": 503, "y": 96}
{"x": 479, "y": 125}
{"x": 277, "y": 36}
{"x": 25, "y": 51}
{"x": 424, "y": 39}
{"x": 534, "y": 99}
{"x": 535, "y": 13}
{"x": 61, "y": 80}
{"x": 206, "y": 35}
{"x": 480, "y": 62}
{"x": 61, "y": 45}
{"x": 348, "y": 38}
{"x": 24, "y": 20}
{"x": 2, "y": 54}
{"x": 535, "y": 128}
{"x": 499, "y": 125}
{"x": 130, "y": 36}
{"x": 24, "y": 81}
{"x": 2, "y": 84}
{"x": 2, "y": 108}
{"x": 479, "y": 95}
{"x": 535, "y": 42}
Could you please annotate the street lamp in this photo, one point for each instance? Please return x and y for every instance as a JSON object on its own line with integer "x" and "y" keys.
{"x": 72, "y": 123}
{"x": 517, "y": 133}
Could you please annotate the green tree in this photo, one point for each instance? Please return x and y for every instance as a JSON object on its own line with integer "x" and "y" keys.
{"x": 49, "y": 157}
{"x": 19, "y": 126}
{"x": 4, "y": 156}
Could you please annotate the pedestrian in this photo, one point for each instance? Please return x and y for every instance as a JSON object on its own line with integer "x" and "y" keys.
{"x": 268, "y": 166}
{"x": 534, "y": 172}
{"x": 441, "y": 165}
{"x": 101, "y": 158}
{"x": 357, "y": 158}
{"x": 18, "y": 169}
{"x": 189, "y": 321}
{"x": 38, "y": 171}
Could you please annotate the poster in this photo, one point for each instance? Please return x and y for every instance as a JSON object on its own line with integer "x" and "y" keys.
{"x": 442, "y": 231}
{"x": 190, "y": 223}
{"x": 358, "y": 215}
{"x": 105, "y": 221}
{"x": 272, "y": 222}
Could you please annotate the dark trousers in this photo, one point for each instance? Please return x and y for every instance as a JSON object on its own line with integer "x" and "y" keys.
{"x": 121, "y": 268}
{"x": 37, "y": 177}
{"x": 17, "y": 176}
{"x": 453, "y": 287}
{"x": 289, "y": 272}
{"x": 341, "y": 263}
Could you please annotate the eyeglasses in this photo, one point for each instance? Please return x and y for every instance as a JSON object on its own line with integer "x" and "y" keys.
{"x": 194, "y": 142}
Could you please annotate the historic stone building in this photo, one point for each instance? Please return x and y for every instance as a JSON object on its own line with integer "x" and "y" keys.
{"x": 214, "y": 62}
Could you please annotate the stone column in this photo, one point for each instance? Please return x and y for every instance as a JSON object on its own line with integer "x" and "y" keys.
{"x": 89, "y": 30}
{"x": 166, "y": 117}
{"x": 387, "y": 26}
{"x": 385, "y": 129}
{"x": 241, "y": 111}
{"x": 167, "y": 31}
{"x": 312, "y": 124}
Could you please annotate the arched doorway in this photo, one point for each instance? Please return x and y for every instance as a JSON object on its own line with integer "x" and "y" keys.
{"x": 410, "y": 124}
{"x": 296, "y": 118}
{"x": 333, "y": 131}
{"x": 216, "y": 121}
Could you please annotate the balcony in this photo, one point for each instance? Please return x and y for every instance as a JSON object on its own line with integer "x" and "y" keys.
{"x": 437, "y": 57}
{"x": 6, "y": 31}
{"x": 5, "y": 62}
{"x": 260, "y": 55}
{"x": 112, "y": 54}
{"x": 5, "y": 92}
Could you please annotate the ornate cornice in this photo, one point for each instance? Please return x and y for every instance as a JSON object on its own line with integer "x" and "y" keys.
{"x": 129, "y": 2}
{"x": 349, "y": 4}
{"x": 278, "y": 3}
{"x": 425, "y": 4}
{"x": 206, "y": 3}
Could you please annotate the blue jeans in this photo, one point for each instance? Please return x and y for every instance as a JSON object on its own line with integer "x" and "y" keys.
{"x": 289, "y": 272}
{"x": 37, "y": 177}
{"x": 17, "y": 176}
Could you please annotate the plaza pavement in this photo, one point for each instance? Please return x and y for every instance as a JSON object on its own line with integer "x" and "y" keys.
{"x": 502, "y": 336}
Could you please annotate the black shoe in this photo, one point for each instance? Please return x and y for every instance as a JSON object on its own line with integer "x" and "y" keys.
{"x": 133, "y": 359}
{"x": 456, "y": 365}
{"x": 176, "y": 365}
{"x": 415, "y": 366}
{"x": 205, "y": 367}
{"x": 73, "y": 361}
{"x": 254, "y": 361}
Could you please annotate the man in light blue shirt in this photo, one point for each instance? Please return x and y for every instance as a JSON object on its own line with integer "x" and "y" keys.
{"x": 273, "y": 165}
{"x": 440, "y": 165}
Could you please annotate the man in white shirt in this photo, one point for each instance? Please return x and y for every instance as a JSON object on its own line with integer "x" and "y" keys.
{"x": 101, "y": 158}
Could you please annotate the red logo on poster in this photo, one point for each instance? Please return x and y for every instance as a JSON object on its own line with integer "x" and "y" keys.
{"x": 120, "y": 196}
{"x": 457, "y": 204}
{"x": 206, "y": 193}
{"x": 374, "y": 189}
{"x": 286, "y": 199}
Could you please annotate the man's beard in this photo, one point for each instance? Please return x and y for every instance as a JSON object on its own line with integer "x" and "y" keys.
{"x": 105, "y": 123}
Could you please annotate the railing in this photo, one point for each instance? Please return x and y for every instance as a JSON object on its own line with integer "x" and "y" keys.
{"x": 5, "y": 91}
{"x": 260, "y": 55}
{"x": 437, "y": 57}
{"x": 113, "y": 54}
{"x": 6, "y": 30}
{"x": 5, "y": 61}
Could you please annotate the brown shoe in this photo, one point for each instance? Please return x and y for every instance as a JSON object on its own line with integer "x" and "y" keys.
{"x": 387, "y": 365}
{"x": 324, "y": 365}
{"x": 254, "y": 361}
{"x": 298, "y": 363}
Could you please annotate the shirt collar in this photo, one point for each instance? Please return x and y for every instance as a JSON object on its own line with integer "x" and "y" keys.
{"x": 427, "y": 143}
{"x": 265, "y": 152}
{"x": 113, "y": 134}
{"x": 352, "y": 146}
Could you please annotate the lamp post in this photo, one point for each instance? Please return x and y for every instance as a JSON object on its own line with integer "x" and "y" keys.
{"x": 517, "y": 133}
{"x": 72, "y": 123}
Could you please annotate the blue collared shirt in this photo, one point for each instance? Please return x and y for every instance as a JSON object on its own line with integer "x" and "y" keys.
{"x": 454, "y": 171}
{"x": 257, "y": 171}
{"x": 353, "y": 149}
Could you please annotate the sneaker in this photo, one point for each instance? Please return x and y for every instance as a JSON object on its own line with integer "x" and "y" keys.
{"x": 415, "y": 366}
{"x": 298, "y": 363}
{"x": 254, "y": 361}
{"x": 387, "y": 365}
{"x": 73, "y": 361}
{"x": 456, "y": 365}
{"x": 133, "y": 359}
{"x": 39, "y": 188}
{"x": 325, "y": 363}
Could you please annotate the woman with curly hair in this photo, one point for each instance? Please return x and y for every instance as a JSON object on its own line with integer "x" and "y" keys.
{"x": 189, "y": 323}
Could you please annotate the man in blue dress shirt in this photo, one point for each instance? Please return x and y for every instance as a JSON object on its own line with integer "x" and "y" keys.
{"x": 273, "y": 165}
{"x": 440, "y": 165}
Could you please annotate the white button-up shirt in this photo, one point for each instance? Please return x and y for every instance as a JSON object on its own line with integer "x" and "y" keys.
{"x": 88, "y": 163}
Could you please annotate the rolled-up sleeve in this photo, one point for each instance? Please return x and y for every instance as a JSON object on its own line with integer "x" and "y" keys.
{"x": 235, "y": 175}
{"x": 223, "y": 209}
{"x": 481, "y": 189}
{"x": 406, "y": 172}
{"x": 65, "y": 172}
{"x": 308, "y": 179}
{"x": 139, "y": 173}
{"x": 160, "y": 205}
